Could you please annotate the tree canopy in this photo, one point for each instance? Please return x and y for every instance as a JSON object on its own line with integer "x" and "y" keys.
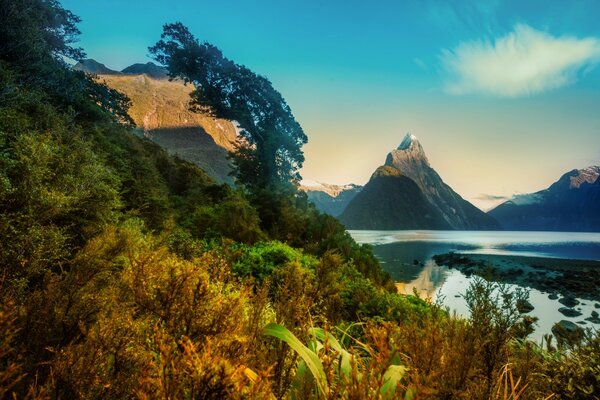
{"x": 269, "y": 151}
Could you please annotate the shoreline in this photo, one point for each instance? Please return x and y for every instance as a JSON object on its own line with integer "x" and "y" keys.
{"x": 556, "y": 276}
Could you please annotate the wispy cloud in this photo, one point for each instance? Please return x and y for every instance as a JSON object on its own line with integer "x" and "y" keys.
{"x": 487, "y": 202}
{"x": 524, "y": 62}
{"x": 491, "y": 197}
{"x": 420, "y": 63}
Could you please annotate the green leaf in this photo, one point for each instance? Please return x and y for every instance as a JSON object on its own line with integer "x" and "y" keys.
{"x": 311, "y": 359}
{"x": 391, "y": 378}
{"x": 345, "y": 357}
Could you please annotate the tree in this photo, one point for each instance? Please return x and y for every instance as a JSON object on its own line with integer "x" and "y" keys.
{"x": 36, "y": 39}
{"x": 269, "y": 150}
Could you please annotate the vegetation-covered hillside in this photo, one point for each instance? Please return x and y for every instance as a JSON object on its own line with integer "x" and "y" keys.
{"x": 160, "y": 109}
{"x": 128, "y": 273}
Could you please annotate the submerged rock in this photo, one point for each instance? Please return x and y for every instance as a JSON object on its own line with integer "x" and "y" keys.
{"x": 569, "y": 301}
{"x": 524, "y": 306}
{"x": 553, "y": 296}
{"x": 567, "y": 331}
{"x": 569, "y": 312}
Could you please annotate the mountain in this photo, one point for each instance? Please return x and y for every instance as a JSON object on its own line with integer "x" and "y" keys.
{"x": 328, "y": 198}
{"x": 150, "y": 69}
{"x": 391, "y": 200}
{"x": 160, "y": 109}
{"x": 406, "y": 193}
{"x": 570, "y": 204}
{"x": 94, "y": 67}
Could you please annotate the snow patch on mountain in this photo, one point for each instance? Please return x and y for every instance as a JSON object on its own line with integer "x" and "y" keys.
{"x": 585, "y": 175}
{"x": 407, "y": 142}
{"x": 332, "y": 190}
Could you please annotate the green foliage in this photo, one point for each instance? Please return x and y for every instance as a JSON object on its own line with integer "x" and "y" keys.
{"x": 233, "y": 218}
{"x": 270, "y": 152}
{"x": 261, "y": 260}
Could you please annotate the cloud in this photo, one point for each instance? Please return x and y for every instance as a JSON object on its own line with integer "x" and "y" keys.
{"x": 524, "y": 62}
{"x": 491, "y": 197}
{"x": 420, "y": 63}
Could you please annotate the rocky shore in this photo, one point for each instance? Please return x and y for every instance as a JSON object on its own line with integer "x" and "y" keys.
{"x": 558, "y": 277}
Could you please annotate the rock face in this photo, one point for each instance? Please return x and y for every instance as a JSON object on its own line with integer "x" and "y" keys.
{"x": 160, "y": 110}
{"x": 570, "y": 204}
{"x": 406, "y": 193}
{"x": 330, "y": 199}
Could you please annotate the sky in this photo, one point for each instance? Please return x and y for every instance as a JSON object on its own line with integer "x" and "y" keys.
{"x": 504, "y": 96}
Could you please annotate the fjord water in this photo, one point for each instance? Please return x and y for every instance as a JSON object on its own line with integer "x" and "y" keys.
{"x": 407, "y": 257}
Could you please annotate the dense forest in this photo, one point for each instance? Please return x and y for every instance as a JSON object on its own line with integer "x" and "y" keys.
{"x": 128, "y": 273}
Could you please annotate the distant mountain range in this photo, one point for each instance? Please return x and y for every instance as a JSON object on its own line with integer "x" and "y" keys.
{"x": 328, "y": 198}
{"x": 406, "y": 193}
{"x": 91, "y": 66}
{"x": 570, "y": 204}
{"x": 160, "y": 109}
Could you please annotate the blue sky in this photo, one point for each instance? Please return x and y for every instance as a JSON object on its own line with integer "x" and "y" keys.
{"x": 503, "y": 95}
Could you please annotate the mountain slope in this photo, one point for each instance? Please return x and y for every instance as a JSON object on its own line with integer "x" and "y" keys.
{"x": 443, "y": 208}
{"x": 390, "y": 201}
{"x": 160, "y": 109}
{"x": 570, "y": 204}
{"x": 94, "y": 67}
{"x": 328, "y": 198}
{"x": 150, "y": 69}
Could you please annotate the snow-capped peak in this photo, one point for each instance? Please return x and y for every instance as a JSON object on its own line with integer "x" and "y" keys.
{"x": 587, "y": 175}
{"x": 409, "y": 154}
{"x": 407, "y": 142}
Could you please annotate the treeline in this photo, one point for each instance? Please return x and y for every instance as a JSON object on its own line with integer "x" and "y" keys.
{"x": 128, "y": 273}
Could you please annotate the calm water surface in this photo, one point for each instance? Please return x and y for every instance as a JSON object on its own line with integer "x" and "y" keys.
{"x": 407, "y": 256}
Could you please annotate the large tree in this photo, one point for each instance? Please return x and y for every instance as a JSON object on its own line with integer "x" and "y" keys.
{"x": 269, "y": 150}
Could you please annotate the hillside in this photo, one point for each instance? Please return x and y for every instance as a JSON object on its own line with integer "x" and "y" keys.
{"x": 161, "y": 112}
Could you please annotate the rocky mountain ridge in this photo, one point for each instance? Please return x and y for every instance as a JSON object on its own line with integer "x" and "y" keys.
{"x": 91, "y": 66}
{"x": 406, "y": 193}
{"x": 572, "y": 203}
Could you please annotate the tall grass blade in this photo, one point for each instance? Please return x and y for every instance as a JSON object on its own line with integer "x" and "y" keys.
{"x": 345, "y": 356}
{"x": 391, "y": 378}
{"x": 310, "y": 358}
